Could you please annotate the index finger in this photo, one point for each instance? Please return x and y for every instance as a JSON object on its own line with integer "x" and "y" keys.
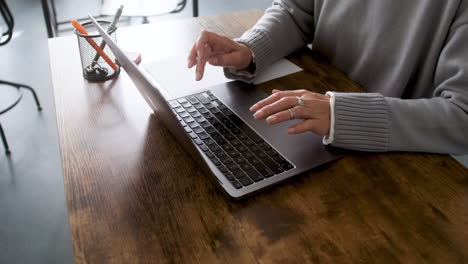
{"x": 203, "y": 53}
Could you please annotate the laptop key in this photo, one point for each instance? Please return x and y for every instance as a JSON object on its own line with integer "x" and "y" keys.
{"x": 181, "y": 100}
{"x": 214, "y": 147}
{"x": 203, "y": 135}
{"x": 248, "y": 155}
{"x": 198, "y": 106}
{"x": 272, "y": 165}
{"x": 236, "y": 184}
{"x": 254, "y": 148}
{"x": 204, "y": 124}
{"x": 210, "y": 130}
{"x": 203, "y": 110}
{"x": 192, "y": 99}
{"x": 242, "y": 136}
{"x": 198, "y": 130}
{"x": 226, "y": 160}
{"x": 222, "y": 169}
{"x": 195, "y": 114}
{"x": 174, "y": 104}
{"x": 199, "y": 119}
{"x": 210, "y": 106}
{"x": 239, "y": 159}
{"x": 193, "y": 125}
{"x": 264, "y": 146}
{"x": 208, "y": 141}
{"x": 238, "y": 174}
{"x": 246, "y": 167}
{"x": 193, "y": 135}
{"x": 227, "y": 147}
{"x": 210, "y": 154}
{"x": 204, "y": 148}
{"x": 187, "y": 129}
{"x": 272, "y": 153}
{"x": 232, "y": 153}
{"x": 189, "y": 119}
{"x": 242, "y": 149}
{"x": 202, "y": 99}
{"x": 229, "y": 136}
{"x": 191, "y": 109}
{"x": 245, "y": 181}
{"x": 264, "y": 171}
{"x": 261, "y": 155}
{"x": 247, "y": 142}
{"x": 229, "y": 176}
{"x": 219, "y": 153}
{"x": 254, "y": 175}
{"x": 235, "y": 142}
{"x": 233, "y": 167}
{"x": 186, "y": 105}
{"x": 236, "y": 131}
{"x": 216, "y": 162}
{"x": 179, "y": 109}
{"x": 254, "y": 161}
{"x": 184, "y": 114}
{"x": 198, "y": 141}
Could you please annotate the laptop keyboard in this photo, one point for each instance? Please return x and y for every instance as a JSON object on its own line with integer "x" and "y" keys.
{"x": 239, "y": 152}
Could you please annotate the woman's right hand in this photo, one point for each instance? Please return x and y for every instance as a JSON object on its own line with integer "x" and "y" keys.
{"x": 219, "y": 51}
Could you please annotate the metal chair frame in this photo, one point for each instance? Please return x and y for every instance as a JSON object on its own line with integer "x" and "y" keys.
{"x": 50, "y": 15}
{"x": 8, "y": 17}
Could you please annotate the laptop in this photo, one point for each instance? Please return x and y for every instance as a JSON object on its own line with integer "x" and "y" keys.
{"x": 242, "y": 155}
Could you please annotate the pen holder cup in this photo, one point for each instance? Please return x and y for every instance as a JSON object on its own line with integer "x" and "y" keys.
{"x": 95, "y": 67}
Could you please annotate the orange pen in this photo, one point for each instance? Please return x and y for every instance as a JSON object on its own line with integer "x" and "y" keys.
{"x": 83, "y": 31}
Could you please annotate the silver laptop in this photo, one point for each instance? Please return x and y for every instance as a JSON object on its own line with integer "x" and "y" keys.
{"x": 216, "y": 128}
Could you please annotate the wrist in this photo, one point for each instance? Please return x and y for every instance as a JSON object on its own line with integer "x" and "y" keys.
{"x": 248, "y": 58}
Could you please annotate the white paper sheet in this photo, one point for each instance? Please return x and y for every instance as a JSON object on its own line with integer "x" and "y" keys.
{"x": 177, "y": 80}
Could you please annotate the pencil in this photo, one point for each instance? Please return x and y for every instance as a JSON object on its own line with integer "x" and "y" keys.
{"x": 83, "y": 31}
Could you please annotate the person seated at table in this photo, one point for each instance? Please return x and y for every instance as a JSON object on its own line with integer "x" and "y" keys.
{"x": 410, "y": 56}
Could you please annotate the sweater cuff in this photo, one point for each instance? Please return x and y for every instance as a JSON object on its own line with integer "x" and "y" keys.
{"x": 361, "y": 122}
{"x": 259, "y": 43}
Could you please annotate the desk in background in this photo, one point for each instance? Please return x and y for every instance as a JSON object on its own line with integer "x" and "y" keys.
{"x": 135, "y": 196}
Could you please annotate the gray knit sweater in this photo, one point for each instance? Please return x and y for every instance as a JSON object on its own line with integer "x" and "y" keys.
{"x": 410, "y": 55}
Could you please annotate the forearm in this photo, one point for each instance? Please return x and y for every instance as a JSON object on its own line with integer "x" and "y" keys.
{"x": 277, "y": 33}
{"x": 372, "y": 122}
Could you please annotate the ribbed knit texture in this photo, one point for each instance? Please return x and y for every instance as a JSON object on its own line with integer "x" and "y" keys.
{"x": 414, "y": 53}
{"x": 361, "y": 122}
{"x": 260, "y": 43}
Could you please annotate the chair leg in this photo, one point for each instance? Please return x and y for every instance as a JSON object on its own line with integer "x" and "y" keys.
{"x": 39, "y": 107}
{"x": 19, "y": 85}
{"x": 5, "y": 143}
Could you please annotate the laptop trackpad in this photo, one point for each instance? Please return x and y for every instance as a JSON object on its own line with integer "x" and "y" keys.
{"x": 293, "y": 147}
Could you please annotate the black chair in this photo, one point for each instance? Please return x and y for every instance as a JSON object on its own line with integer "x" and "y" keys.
{"x": 4, "y": 39}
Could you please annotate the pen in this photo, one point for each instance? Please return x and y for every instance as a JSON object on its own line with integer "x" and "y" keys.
{"x": 83, "y": 31}
{"x": 111, "y": 27}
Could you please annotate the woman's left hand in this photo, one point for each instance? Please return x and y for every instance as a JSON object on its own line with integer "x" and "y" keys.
{"x": 284, "y": 105}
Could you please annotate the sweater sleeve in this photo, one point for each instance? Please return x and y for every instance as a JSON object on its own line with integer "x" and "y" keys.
{"x": 291, "y": 18}
{"x": 372, "y": 122}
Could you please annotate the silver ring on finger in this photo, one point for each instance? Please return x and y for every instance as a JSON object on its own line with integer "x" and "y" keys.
{"x": 300, "y": 102}
{"x": 292, "y": 113}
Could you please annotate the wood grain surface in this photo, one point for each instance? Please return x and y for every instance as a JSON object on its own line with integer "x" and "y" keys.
{"x": 134, "y": 196}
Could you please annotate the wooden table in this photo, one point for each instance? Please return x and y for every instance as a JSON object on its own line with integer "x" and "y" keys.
{"x": 135, "y": 196}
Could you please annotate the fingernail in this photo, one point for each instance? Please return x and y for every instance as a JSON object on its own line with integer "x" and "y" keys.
{"x": 291, "y": 130}
{"x": 258, "y": 114}
{"x": 252, "y": 108}
{"x": 198, "y": 77}
{"x": 271, "y": 119}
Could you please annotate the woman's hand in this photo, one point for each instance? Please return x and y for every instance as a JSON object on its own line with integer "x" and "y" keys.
{"x": 284, "y": 105}
{"x": 219, "y": 51}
